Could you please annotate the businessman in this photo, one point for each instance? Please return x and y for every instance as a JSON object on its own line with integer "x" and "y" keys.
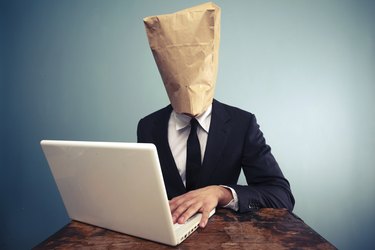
{"x": 202, "y": 143}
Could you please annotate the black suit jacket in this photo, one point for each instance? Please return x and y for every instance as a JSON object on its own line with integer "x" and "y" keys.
{"x": 234, "y": 142}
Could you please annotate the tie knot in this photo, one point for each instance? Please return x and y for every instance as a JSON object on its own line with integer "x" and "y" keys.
{"x": 194, "y": 124}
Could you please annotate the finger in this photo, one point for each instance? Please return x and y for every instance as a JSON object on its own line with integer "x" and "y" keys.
{"x": 176, "y": 202}
{"x": 172, "y": 205}
{"x": 177, "y": 214}
{"x": 190, "y": 211}
{"x": 179, "y": 200}
{"x": 204, "y": 219}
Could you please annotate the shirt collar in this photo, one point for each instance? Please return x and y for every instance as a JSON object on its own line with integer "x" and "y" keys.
{"x": 182, "y": 120}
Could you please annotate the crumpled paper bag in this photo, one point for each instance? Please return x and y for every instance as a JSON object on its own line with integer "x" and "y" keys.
{"x": 185, "y": 46}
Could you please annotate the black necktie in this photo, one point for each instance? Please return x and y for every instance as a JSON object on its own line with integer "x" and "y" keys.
{"x": 193, "y": 156}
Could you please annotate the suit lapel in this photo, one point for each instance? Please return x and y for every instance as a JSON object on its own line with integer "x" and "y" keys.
{"x": 168, "y": 165}
{"x": 217, "y": 137}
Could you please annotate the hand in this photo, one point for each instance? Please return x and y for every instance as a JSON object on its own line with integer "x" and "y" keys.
{"x": 201, "y": 200}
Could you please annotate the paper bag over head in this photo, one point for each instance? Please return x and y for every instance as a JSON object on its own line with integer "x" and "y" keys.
{"x": 185, "y": 46}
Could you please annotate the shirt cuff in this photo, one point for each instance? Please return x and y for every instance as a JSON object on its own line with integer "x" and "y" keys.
{"x": 233, "y": 204}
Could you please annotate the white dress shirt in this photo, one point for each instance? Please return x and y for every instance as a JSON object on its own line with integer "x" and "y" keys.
{"x": 178, "y": 133}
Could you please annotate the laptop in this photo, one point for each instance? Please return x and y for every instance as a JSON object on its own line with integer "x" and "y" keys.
{"x": 118, "y": 186}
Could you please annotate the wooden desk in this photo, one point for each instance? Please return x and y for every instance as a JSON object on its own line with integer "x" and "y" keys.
{"x": 264, "y": 229}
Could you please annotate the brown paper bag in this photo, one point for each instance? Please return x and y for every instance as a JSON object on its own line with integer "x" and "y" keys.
{"x": 185, "y": 46}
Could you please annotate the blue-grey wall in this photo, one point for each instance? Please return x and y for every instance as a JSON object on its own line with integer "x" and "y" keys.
{"x": 83, "y": 70}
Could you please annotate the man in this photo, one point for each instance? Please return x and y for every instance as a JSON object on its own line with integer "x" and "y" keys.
{"x": 203, "y": 144}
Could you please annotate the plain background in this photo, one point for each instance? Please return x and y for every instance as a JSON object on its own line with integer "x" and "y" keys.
{"x": 83, "y": 70}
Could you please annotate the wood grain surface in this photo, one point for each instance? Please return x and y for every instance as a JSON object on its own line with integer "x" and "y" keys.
{"x": 263, "y": 229}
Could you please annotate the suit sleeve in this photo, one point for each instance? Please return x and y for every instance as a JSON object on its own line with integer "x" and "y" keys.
{"x": 267, "y": 186}
{"x": 140, "y": 133}
{"x": 144, "y": 132}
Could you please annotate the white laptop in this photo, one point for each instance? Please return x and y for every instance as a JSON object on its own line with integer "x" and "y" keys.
{"x": 118, "y": 186}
